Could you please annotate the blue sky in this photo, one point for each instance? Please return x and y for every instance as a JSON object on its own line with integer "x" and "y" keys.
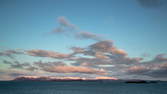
{"x": 131, "y": 26}
{"x": 137, "y": 29}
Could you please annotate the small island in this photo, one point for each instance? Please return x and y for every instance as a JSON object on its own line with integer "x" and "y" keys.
{"x": 140, "y": 81}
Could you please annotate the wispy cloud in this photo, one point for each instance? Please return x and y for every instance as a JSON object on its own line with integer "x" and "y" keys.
{"x": 45, "y": 53}
{"x": 41, "y": 64}
{"x": 60, "y": 67}
{"x": 66, "y": 23}
{"x": 74, "y": 69}
{"x": 153, "y": 68}
{"x": 65, "y": 26}
{"x": 9, "y": 74}
{"x": 18, "y": 65}
{"x": 10, "y": 53}
{"x": 88, "y": 35}
{"x": 102, "y": 49}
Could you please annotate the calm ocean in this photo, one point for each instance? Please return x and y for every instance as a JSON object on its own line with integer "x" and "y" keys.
{"x": 29, "y": 87}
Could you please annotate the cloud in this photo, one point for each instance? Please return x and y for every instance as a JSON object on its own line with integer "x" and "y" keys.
{"x": 74, "y": 69}
{"x": 54, "y": 67}
{"x": 100, "y": 58}
{"x": 159, "y": 73}
{"x": 99, "y": 49}
{"x": 10, "y": 74}
{"x": 77, "y": 50}
{"x": 102, "y": 46}
{"x": 10, "y": 53}
{"x": 153, "y": 68}
{"x": 104, "y": 54}
{"x": 157, "y": 70}
{"x": 64, "y": 22}
{"x": 41, "y": 64}
{"x": 31, "y": 68}
{"x": 112, "y": 78}
{"x": 138, "y": 69}
{"x": 91, "y": 62}
{"x": 60, "y": 67}
{"x": 107, "y": 50}
{"x": 102, "y": 50}
{"x": 18, "y": 65}
{"x": 65, "y": 26}
{"x": 160, "y": 58}
{"x": 150, "y": 3}
{"x": 45, "y": 53}
{"x": 101, "y": 53}
{"x": 88, "y": 35}
{"x": 107, "y": 46}
{"x": 58, "y": 30}
{"x": 16, "y": 74}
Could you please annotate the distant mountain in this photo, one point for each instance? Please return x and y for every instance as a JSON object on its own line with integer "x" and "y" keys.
{"x": 51, "y": 78}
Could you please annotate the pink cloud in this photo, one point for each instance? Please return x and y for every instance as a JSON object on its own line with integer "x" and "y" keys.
{"x": 74, "y": 69}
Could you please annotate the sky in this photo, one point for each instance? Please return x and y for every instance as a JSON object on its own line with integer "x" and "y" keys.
{"x": 125, "y": 39}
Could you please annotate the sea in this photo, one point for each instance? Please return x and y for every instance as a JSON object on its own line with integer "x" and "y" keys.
{"x": 79, "y": 87}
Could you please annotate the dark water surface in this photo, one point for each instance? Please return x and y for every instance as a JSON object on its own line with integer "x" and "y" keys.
{"x": 28, "y": 87}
